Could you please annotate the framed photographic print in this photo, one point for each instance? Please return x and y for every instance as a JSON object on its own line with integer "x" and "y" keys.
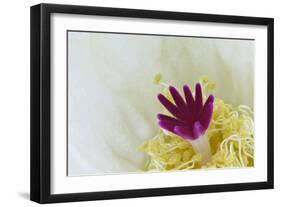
{"x": 132, "y": 103}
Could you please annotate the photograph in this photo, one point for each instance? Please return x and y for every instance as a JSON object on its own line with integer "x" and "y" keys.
{"x": 146, "y": 103}
{"x": 140, "y": 103}
{"x": 129, "y": 103}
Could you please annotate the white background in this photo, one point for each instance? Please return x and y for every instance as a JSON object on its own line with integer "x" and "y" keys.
{"x": 14, "y": 110}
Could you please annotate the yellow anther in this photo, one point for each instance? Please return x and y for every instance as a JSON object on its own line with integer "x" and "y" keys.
{"x": 157, "y": 78}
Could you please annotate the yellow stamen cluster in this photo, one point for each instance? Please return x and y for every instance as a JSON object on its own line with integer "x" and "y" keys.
{"x": 168, "y": 152}
{"x": 231, "y": 137}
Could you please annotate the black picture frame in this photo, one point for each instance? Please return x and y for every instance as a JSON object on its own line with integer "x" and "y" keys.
{"x": 40, "y": 184}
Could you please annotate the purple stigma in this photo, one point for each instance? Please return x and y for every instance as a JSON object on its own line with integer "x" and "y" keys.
{"x": 190, "y": 117}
